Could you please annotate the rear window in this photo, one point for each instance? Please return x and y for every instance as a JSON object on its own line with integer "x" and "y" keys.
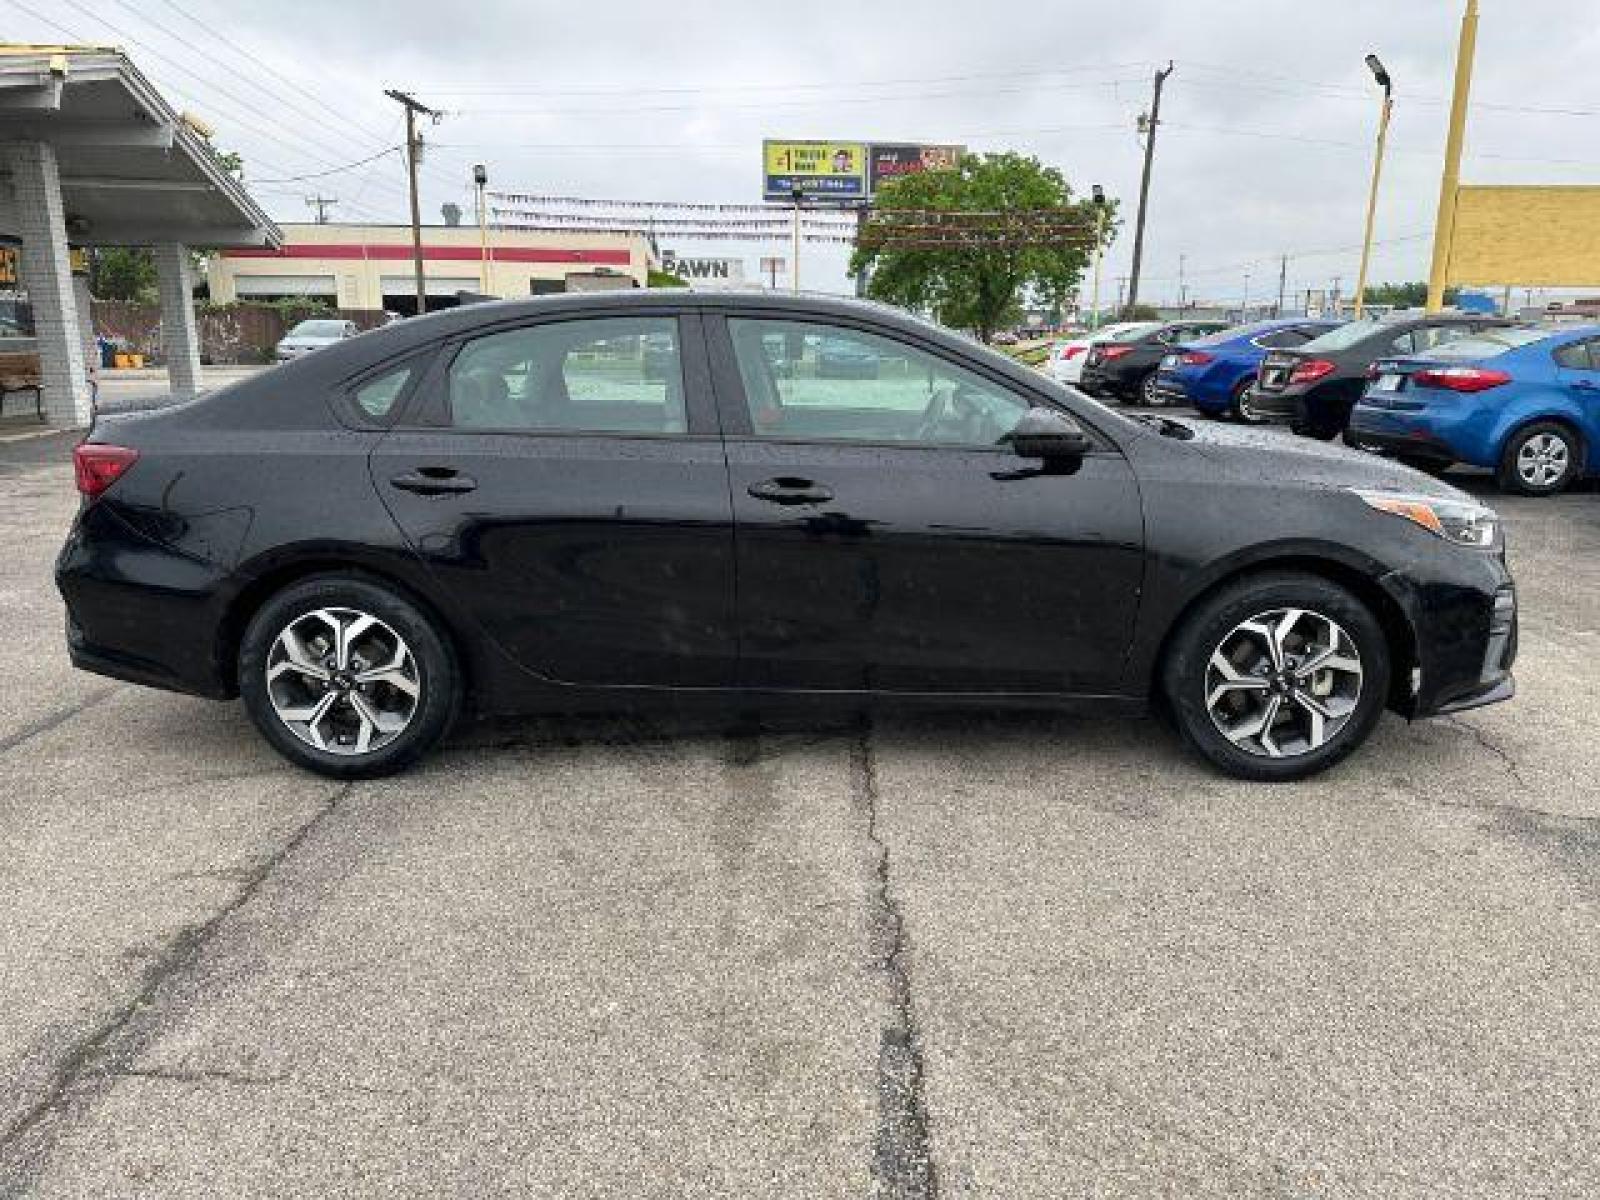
{"x": 1344, "y": 337}
{"x": 1134, "y": 333}
{"x": 1233, "y": 332}
{"x": 318, "y": 329}
{"x": 1488, "y": 343}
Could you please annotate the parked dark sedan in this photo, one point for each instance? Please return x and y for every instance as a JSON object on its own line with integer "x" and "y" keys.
{"x": 496, "y": 509}
{"x": 1123, "y": 367}
{"x": 1313, "y": 388}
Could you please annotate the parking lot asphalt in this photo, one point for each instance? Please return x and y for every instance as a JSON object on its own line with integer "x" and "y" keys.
{"x": 1000, "y": 955}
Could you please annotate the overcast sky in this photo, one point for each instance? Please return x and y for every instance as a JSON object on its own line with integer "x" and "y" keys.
{"x": 1265, "y": 146}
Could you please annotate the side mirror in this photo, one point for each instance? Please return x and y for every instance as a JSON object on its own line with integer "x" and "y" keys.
{"x": 1047, "y": 434}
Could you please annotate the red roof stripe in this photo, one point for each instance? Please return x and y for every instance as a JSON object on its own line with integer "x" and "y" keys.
{"x": 388, "y": 252}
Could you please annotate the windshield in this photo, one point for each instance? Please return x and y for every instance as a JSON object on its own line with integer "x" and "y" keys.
{"x": 318, "y": 329}
{"x": 1489, "y": 343}
{"x": 1343, "y": 337}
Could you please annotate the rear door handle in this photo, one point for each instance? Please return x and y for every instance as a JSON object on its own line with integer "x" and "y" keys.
{"x": 434, "y": 481}
{"x": 786, "y": 489}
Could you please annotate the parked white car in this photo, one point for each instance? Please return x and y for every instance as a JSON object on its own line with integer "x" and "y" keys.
{"x": 1065, "y": 364}
{"x": 314, "y": 335}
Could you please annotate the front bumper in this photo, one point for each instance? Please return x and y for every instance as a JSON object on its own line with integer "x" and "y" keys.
{"x": 1463, "y": 623}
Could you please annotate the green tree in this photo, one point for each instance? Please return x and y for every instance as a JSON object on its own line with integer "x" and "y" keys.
{"x": 975, "y": 285}
{"x": 1404, "y": 295}
{"x": 122, "y": 273}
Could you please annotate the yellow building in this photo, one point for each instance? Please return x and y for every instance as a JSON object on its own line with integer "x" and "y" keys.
{"x": 370, "y": 266}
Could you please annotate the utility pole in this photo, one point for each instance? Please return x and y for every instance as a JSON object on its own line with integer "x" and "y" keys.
{"x": 413, "y": 155}
{"x": 1333, "y": 304}
{"x": 1244, "y": 303}
{"x": 1151, "y": 123}
{"x": 1122, "y": 283}
{"x": 1183, "y": 288}
{"x": 1283, "y": 283}
{"x": 321, "y": 204}
{"x": 1444, "y": 225}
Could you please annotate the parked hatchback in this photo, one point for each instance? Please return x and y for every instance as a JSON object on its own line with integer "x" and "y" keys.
{"x": 1214, "y": 373}
{"x": 1524, "y": 402}
{"x": 1314, "y": 388}
{"x": 496, "y": 509}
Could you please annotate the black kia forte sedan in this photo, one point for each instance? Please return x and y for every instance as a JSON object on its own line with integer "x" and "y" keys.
{"x": 587, "y": 503}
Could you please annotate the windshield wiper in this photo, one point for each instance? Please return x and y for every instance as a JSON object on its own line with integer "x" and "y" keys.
{"x": 1165, "y": 426}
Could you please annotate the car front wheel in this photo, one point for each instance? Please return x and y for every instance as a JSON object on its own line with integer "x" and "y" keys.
{"x": 1278, "y": 676}
{"x": 346, "y": 677}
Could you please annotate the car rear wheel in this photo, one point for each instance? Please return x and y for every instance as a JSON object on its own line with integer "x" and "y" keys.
{"x": 1278, "y": 676}
{"x": 346, "y": 677}
{"x": 1148, "y": 395}
{"x": 1541, "y": 460}
{"x": 1239, "y": 406}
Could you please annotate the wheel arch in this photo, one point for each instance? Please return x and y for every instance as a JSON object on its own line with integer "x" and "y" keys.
{"x": 286, "y": 571}
{"x": 1556, "y": 414}
{"x": 1398, "y": 632}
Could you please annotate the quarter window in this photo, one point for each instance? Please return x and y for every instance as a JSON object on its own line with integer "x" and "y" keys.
{"x": 376, "y": 397}
{"x": 1579, "y": 356}
{"x": 804, "y": 381}
{"x": 603, "y": 375}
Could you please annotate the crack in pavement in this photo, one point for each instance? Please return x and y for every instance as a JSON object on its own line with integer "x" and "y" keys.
{"x": 902, "y": 1161}
{"x": 45, "y": 724}
{"x": 200, "y": 1075}
{"x": 102, "y": 1054}
{"x": 1489, "y": 744}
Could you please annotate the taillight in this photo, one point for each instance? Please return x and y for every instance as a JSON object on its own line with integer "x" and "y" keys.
{"x": 1460, "y": 379}
{"x": 97, "y": 466}
{"x": 1310, "y": 370}
{"x": 1071, "y": 352}
{"x": 1196, "y": 358}
{"x": 1114, "y": 351}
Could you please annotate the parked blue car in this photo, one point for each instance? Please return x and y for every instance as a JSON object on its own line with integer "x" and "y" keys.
{"x": 1212, "y": 373}
{"x": 1522, "y": 400}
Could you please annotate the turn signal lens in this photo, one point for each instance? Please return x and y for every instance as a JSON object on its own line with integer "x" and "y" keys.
{"x": 1460, "y": 521}
{"x": 97, "y": 466}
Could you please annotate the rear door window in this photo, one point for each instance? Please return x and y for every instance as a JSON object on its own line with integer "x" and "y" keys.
{"x": 597, "y": 375}
{"x": 1580, "y": 356}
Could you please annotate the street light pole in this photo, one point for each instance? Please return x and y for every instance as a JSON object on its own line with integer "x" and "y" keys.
{"x": 480, "y": 177}
{"x": 1382, "y": 77}
{"x": 1098, "y": 194}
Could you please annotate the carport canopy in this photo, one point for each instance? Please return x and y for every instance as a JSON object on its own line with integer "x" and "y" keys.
{"x": 93, "y": 155}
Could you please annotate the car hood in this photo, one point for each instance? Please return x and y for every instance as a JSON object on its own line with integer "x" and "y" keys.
{"x": 1245, "y": 453}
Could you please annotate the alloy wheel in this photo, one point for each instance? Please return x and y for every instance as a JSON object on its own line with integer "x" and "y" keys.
{"x": 343, "y": 681}
{"x": 1542, "y": 460}
{"x": 1244, "y": 409}
{"x": 1283, "y": 683}
{"x": 1147, "y": 390}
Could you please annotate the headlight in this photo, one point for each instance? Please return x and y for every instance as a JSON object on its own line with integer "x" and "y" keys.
{"x": 1464, "y": 522}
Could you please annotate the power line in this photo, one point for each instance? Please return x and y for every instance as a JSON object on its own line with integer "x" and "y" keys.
{"x": 361, "y": 162}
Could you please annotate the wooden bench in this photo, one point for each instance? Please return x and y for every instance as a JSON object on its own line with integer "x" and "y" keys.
{"x": 20, "y": 372}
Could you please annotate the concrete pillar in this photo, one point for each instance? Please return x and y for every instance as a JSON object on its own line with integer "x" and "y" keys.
{"x": 47, "y": 275}
{"x": 180, "y": 338}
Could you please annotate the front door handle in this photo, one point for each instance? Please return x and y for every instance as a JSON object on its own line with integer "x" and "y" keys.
{"x": 787, "y": 489}
{"x": 434, "y": 481}
{"x": 1587, "y": 385}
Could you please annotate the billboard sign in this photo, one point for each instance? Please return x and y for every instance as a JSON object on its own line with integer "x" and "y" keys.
{"x": 886, "y": 162}
{"x": 846, "y": 173}
{"x": 1533, "y": 236}
{"x": 821, "y": 171}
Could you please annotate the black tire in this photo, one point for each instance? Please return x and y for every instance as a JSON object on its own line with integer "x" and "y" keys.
{"x": 1217, "y": 617}
{"x": 1512, "y": 476}
{"x": 431, "y": 667}
{"x": 1238, "y": 407}
{"x": 1147, "y": 392}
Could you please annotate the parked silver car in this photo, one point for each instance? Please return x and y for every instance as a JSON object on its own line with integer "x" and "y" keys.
{"x": 313, "y": 335}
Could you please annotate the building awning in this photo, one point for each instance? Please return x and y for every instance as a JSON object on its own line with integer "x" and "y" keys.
{"x": 133, "y": 171}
